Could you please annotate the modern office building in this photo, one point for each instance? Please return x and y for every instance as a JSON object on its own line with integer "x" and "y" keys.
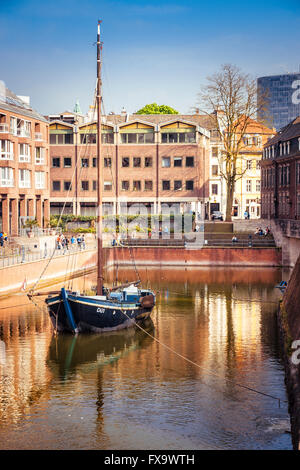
{"x": 282, "y": 94}
{"x": 24, "y": 165}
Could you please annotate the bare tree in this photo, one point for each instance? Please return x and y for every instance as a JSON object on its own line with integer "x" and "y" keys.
{"x": 232, "y": 96}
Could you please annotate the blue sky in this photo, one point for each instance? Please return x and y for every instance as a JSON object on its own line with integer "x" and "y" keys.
{"x": 154, "y": 51}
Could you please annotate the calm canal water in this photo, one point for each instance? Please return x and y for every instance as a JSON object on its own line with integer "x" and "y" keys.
{"x": 127, "y": 391}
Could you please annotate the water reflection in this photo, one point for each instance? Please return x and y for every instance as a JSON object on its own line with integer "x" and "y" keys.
{"x": 127, "y": 391}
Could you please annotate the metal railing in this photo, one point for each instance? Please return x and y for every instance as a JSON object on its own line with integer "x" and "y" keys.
{"x": 4, "y": 129}
{"x": 38, "y": 136}
{"x": 19, "y": 255}
{"x": 39, "y": 232}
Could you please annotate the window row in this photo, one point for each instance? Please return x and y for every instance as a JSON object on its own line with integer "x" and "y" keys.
{"x": 136, "y": 185}
{"x": 7, "y": 178}
{"x": 126, "y": 138}
{"x": 7, "y": 152}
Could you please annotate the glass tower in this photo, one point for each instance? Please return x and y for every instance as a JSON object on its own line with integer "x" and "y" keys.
{"x": 283, "y": 99}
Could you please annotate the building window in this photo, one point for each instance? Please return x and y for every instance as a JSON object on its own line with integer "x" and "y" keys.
{"x": 214, "y": 152}
{"x": 61, "y": 139}
{"x": 39, "y": 156}
{"x": 125, "y": 162}
{"x": 298, "y": 172}
{"x": 107, "y": 162}
{"x": 107, "y": 185}
{"x": 125, "y": 185}
{"x": 88, "y": 138}
{"x": 24, "y": 179}
{"x": 248, "y": 186}
{"x": 136, "y": 186}
{"x": 166, "y": 185}
{"x": 68, "y": 139}
{"x": 148, "y": 162}
{"x": 7, "y": 177}
{"x": 215, "y": 170}
{"x": 56, "y": 185}
{"x": 136, "y": 162}
{"x": 189, "y": 185}
{"x": 249, "y": 164}
{"x": 178, "y": 137}
{"x": 214, "y": 189}
{"x": 95, "y": 162}
{"x": 67, "y": 186}
{"x": 84, "y": 163}
{"x": 166, "y": 162}
{"x": 177, "y": 162}
{"x": 67, "y": 162}
{"x": 84, "y": 185}
{"x": 24, "y": 153}
{"x": 148, "y": 185}
{"x": 56, "y": 162}
{"x": 6, "y": 150}
{"x": 94, "y": 185}
{"x": 137, "y": 138}
{"x": 257, "y": 186}
{"x": 107, "y": 138}
{"x": 177, "y": 185}
{"x": 40, "y": 180}
{"x": 189, "y": 161}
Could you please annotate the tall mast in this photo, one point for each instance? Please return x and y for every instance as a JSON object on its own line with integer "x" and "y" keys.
{"x": 99, "y": 168}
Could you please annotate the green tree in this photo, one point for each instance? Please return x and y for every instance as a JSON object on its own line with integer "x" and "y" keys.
{"x": 155, "y": 108}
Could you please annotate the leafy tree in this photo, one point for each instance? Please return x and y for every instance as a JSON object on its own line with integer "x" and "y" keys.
{"x": 155, "y": 108}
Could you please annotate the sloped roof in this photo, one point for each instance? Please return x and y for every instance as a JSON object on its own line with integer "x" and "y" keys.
{"x": 288, "y": 132}
{"x": 12, "y": 103}
{"x": 204, "y": 121}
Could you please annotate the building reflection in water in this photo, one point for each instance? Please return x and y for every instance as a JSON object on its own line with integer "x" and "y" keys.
{"x": 216, "y": 318}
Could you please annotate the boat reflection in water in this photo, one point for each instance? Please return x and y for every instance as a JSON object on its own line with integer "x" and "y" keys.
{"x": 87, "y": 351}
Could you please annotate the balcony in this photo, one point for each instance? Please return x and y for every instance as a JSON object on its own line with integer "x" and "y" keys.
{"x": 6, "y": 156}
{"x": 6, "y": 183}
{"x": 4, "y": 129}
{"x": 38, "y": 136}
{"x": 23, "y": 133}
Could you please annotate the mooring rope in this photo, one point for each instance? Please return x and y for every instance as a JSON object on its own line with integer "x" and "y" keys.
{"x": 237, "y": 384}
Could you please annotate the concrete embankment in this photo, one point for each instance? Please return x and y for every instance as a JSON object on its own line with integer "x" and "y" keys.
{"x": 207, "y": 256}
{"x": 60, "y": 268}
{"x": 73, "y": 264}
{"x": 289, "y": 325}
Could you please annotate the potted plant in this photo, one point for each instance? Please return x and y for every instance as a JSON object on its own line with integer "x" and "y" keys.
{"x": 31, "y": 223}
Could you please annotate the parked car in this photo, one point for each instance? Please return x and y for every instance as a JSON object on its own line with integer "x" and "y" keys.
{"x": 217, "y": 215}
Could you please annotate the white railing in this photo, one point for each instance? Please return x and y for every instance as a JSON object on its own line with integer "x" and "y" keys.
{"x": 3, "y": 128}
{"x": 6, "y": 183}
{"x": 13, "y": 131}
{"x": 24, "y": 184}
{"x": 38, "y": 136}
{"x": 23, "y": 133}
{"x": 6, "y": 156}
{"x": 24, "y": 158}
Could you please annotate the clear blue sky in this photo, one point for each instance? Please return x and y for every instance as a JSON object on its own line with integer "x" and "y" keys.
{"x": 154, "y": 51}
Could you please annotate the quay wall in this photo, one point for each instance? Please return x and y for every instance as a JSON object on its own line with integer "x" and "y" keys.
{"x": 59, "y": 268}
{"x": 207, "y": 256}
{"x": 289, "y": 326}
{"x": 73, "y": 264}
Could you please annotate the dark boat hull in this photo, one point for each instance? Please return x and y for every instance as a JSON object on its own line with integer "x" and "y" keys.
{"x": 94, "y": 316}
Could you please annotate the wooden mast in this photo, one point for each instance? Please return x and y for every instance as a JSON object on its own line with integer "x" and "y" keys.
{"x": 99, "y": 168}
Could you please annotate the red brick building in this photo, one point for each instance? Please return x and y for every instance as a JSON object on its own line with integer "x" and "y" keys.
{"x": 280, "y": 174}
{"x": 149, "y": 159}
{"x": 24, "y": 166}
